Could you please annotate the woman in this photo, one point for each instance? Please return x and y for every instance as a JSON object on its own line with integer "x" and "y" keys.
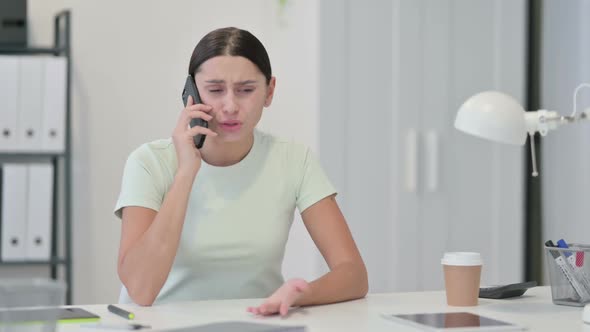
{"x": 212, "y": 223}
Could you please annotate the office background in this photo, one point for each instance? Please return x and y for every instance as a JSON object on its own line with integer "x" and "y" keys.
{"x": 372, "y": 87}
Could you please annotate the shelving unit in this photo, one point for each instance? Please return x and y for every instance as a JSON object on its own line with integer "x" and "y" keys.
{"x": 61, "y": 246}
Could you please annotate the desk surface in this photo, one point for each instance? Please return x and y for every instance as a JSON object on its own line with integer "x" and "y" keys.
{"x": 533, "y": 310}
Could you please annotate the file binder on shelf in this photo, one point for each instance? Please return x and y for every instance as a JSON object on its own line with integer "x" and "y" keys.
{"x": 54, "y": 104}
{"x": 38, "y": 82}
{"x": 30, "y": 92}
{"x": 32, "y": 103}
{"x": 39, "y": 211}
{"x": 14, "y": 212}
{"x": 8, "y": 102}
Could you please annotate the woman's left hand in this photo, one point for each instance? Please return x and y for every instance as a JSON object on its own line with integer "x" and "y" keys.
{"x": 282, "y": 298}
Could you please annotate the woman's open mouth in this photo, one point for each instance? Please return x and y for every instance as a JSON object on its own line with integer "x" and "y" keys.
{"x": 230, "y": 126}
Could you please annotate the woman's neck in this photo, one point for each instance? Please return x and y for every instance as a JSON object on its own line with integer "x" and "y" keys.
{"x": 221, "y": 154}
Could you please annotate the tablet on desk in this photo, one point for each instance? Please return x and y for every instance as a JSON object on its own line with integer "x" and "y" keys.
{"x": 453, "y": 322}
{"x": 38, "y": 315}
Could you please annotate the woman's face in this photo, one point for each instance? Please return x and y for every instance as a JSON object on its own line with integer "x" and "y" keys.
{"x": 237, "y": 91}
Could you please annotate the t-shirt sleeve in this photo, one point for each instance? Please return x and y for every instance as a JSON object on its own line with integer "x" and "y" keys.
{"x": 314, "y": 183}
{"x": 138, "y": 186}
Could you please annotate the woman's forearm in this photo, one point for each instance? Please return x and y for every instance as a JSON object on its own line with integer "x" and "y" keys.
{"x": 347, "y": 281}
{"x": 146, "y": 265}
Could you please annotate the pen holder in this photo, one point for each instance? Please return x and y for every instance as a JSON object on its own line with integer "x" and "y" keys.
{"x": 569, "y": 274}
{"x": 18, "y": 295}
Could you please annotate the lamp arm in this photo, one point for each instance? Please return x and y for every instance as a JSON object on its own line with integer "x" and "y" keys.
{"x": 542, "y": 121}
{"x": 535, "y": 173}
{"x": 583, "y": 85}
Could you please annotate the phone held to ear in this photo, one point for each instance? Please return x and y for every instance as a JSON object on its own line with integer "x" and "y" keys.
{"x": 190, "y": 89}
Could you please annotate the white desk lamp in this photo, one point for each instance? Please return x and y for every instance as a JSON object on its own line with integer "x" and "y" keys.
{"x": 499, "y": 117}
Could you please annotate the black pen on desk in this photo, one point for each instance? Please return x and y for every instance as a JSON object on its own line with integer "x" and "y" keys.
{"x": 116, "y": 327}
{"x": 120, "y": 312}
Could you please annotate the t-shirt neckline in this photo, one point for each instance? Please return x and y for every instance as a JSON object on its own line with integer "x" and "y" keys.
{"x": 242, "y": 163}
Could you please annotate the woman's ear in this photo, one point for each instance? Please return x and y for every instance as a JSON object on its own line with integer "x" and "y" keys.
{"x": 270, "y": 91}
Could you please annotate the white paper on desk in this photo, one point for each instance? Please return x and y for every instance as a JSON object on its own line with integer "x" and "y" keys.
{"x": 236, "y": 326}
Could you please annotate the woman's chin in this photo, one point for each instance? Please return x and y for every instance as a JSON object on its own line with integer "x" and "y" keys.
{"x": 233, "y": 137}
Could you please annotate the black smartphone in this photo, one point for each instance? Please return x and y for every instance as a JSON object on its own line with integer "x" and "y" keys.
{"x": 190, "y": 89}
{"x": 505, "y": 291}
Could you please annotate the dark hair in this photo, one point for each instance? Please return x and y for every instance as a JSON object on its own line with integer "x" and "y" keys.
{"x": 230, "y": 41}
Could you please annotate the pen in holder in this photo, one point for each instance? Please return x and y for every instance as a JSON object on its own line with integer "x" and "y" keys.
{"x": 569, "y": 274}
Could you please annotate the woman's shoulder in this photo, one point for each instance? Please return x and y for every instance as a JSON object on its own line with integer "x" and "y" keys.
{"x": 157, "y": 152}
{"x": 283, "y": 148}
{"x": 280, "y": 144}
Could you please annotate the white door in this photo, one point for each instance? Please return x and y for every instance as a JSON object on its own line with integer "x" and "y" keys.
{"x": 412, "y": 186}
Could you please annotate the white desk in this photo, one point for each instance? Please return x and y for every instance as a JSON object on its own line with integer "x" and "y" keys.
{"x": 534, "y": 310}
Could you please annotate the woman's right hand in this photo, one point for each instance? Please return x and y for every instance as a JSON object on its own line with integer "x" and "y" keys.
{"x": 187, "y": 154}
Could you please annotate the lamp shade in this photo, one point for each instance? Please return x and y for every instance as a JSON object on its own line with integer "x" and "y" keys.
{"x": 493, "y": 115}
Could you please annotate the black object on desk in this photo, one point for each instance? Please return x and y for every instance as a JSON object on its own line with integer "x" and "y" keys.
{"x": 506, "y": 291}
{"x": 120, "y": 312}
{"x": 62, "y": 315}
{"x": 104, "y": 326}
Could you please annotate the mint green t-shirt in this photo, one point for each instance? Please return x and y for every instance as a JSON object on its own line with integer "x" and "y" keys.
{"x": 237, "y": 220}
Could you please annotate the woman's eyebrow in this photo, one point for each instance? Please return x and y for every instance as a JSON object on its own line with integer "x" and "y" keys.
{"x": 237, "y": 83}
{"x": 246, "y": 82}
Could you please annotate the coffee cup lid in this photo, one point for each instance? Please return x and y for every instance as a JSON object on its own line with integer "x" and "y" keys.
{"x": 462, "y": 258}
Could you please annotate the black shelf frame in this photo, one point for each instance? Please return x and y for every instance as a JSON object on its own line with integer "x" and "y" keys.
{"x": 61, "y": 47}
{"x": 32, "y": 50}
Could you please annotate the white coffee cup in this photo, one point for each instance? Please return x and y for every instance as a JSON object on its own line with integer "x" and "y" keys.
{"x": 462, "y": 271}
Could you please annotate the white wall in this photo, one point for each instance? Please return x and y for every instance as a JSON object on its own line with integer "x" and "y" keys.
{"x": 129, "y": 60}
{"x": 129, "y": 63}
{"x": 565, "y": 152}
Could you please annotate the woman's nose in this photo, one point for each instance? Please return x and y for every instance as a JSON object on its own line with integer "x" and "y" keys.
{"x": 230, "y": 105}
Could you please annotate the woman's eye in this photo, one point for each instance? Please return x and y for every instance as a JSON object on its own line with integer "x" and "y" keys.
{"x": 215, "y": 90}
{"x": 247, "y": 90}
